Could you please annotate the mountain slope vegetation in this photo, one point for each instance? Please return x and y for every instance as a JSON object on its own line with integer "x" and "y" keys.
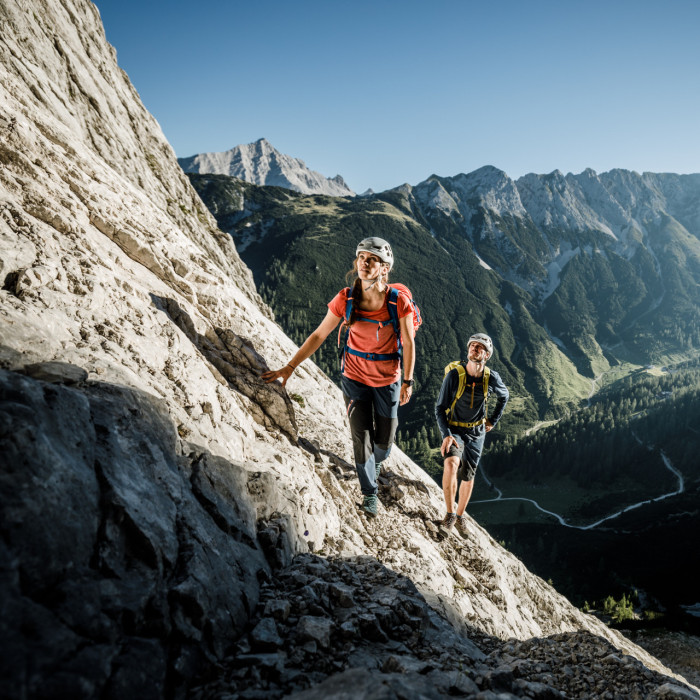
{"x": 566, "y": 288}
{"x": 582, "y": 281}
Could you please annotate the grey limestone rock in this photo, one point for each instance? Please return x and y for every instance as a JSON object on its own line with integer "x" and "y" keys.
{"x": 56, "y": 372}
{"x": 116, "y": 550}
{"x": 264, "y": 636}
{"x": 315, "y": 629}
{"x": 671, "y": 691}
{"x": 372, "y": 685}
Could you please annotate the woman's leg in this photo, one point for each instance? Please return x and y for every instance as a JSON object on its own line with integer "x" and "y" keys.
{"x": 358, "y": 404}
{"x": 386, "y": 405}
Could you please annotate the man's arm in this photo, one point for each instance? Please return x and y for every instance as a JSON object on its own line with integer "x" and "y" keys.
{"x": 499, "y": 388}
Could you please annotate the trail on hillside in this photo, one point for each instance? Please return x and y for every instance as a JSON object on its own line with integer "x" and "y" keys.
{"x": 540, "y": 424}
{"x": 594, "y": 382}
{"x": 562, "y": 521}
{"x": 595, "y": 388}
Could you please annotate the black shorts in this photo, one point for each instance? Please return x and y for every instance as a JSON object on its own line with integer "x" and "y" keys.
{"x": 468, "y": 450}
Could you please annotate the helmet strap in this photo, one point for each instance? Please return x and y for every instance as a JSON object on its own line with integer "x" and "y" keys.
{"x": 378, "y": 278}
{"x": 372, "y": 283}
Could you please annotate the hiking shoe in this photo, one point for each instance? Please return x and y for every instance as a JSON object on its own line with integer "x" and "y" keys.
{"x": 448, "y": 522}
{"x": 369, "y": 505}
{"x": 461, "y": 526}
{"x": 379, "y": 468}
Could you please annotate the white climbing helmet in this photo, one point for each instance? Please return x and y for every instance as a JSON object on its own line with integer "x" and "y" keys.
{"x": 378, "y": 247}
{"x": 484, "y": 339}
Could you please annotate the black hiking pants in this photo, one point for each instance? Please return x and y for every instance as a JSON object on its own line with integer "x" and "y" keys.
{"x": 372, "y": 412}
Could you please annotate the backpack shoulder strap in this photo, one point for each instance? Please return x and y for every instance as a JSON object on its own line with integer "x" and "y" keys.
{"x": 487, "y": 374}
{"x": 392, "y": 302}
{"x": 348, "y": 303}
{"x": 462, "y": 374}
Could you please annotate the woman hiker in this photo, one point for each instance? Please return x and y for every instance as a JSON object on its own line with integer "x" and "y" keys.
{"x": 375, "y": 314}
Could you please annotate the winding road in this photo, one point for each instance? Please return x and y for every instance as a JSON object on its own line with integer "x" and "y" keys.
{"x": 565, "y": 523}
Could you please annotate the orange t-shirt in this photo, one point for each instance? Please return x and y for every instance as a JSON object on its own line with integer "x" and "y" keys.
{"x": 372, "y": 337}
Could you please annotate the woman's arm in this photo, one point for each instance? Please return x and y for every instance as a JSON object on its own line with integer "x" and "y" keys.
{"x": 409, "y": 356}
{"x": 311, "y": 344}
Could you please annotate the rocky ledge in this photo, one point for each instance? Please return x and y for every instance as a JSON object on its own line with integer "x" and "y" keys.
{"x": 353, "y": 628}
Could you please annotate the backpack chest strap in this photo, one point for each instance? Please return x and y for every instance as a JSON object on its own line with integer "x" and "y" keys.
{"x": 374, "y": 356}
{"x": 459, "y": 424}
{"x": 392, "y": 308}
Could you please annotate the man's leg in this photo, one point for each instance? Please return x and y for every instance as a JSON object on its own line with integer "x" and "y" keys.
{"x": 453, "y": 459}
{"x": 465, "y": 493}
{"x": 449, "y": 482}
{"x": 466, "y": 474}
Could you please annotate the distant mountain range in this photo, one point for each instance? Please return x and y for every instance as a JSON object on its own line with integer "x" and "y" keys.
{"x": 571, "y": 274}
{"x": 262, "y": 164}
{"x": 584, "y": 281}
{"x": 605, "y": 259}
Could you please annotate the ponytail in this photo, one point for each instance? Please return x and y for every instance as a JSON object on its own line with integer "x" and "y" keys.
{"x": 353, "y": 281}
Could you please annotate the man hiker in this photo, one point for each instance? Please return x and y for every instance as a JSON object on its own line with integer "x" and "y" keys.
{"x": 463, "y": 421}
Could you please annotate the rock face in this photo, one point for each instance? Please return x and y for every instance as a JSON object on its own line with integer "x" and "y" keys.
{"x": 124, "y": 541}
{"x": 528, "y": 229}
{"x": 262, "y": 164}
{"x": 168, "y": 520}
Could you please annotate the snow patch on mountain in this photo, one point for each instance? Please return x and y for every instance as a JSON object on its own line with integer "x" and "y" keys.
{"x": 557, "y": 341}
{"x": 482, "y": 262}
{"x": 253, "y": 234}
{"x": 262, "y": 164}
{"x": 555, "y": 268}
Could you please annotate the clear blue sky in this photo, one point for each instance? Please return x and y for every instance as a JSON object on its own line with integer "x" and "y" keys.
{"x": 391, "y": 91}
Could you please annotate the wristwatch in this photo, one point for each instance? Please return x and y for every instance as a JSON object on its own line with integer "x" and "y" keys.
{"x": 408, "y": 381}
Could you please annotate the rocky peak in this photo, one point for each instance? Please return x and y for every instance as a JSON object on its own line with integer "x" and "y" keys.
{"x": 169, "y": 520}
{"x": 262, "y": 164}
{"x": 488, "y": 188}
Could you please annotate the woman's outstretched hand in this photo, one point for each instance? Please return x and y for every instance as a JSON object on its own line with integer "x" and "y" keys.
{"x": 284, "y": 374}
{"x": 406, "y": 393}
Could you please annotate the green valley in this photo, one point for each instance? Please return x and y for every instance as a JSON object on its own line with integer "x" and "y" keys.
{"x": 584, "y": 282}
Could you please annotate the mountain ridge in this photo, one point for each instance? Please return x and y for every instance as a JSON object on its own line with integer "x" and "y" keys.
{"x": 262, "y": 164}
{"x": 567, "y": 280}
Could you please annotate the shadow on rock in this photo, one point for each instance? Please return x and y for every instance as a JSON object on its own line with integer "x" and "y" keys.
{"x": 126, "y": 566}
{"x": 236, "y": 363}
{"x": 352, "y": 628}
{"x": 133, "y": 566}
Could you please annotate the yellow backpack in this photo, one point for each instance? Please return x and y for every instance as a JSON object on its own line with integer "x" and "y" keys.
{"x": 461, "y": 370}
